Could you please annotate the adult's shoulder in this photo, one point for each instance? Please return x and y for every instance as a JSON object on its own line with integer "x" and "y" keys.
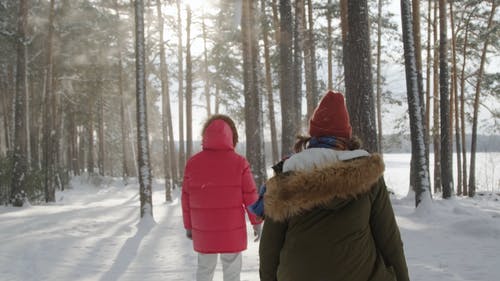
{"x": 318, "y": 157}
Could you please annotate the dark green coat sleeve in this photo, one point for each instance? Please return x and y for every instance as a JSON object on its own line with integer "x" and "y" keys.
{"x": 386, "y": 232}
{"x": 273, "y": 237}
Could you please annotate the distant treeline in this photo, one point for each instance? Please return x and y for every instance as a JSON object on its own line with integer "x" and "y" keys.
{"x": 396, "y": 143}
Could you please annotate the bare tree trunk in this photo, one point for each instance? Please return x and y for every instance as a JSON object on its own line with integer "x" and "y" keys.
{"x": 269, "y": 86}
{"x": 472, "y": 174}
{"x": 308, "y": 60}
{"x": 35, "y": 123}
{"x": 189, "y": 87}
{"x": 379, "y": 76}
{"x": 329, "y": 43}
{"x": 454, "y": 93}
{"x": 90, "y": 137}
{"x": 435, "y": 130}
{"x": 446, "y": 154}
{"x": 465, "y": 189}
{"x": 276, "y": 22}
{"x": 428, "y": 75}
{"x": 312, "y": 95}
{"x": 289, "y": 128}
{"x": 133, "y": 143}
{"x": 5, "y": 98}
{"x": 11, "y": 104}
{"x": 125, "y": 169}
{"x": 170, "y": 167}
{"x": 418, "y": 57}
{"x": 180, "y": 74}
{"x": 48, "y": 151}
{"x": 8, "y": 110}
{"x": 20, "y": 135}
{"x": 417, "y": 40}
{"x": 217, "y": 99}
{"x": 206, "y": 73}
{"x": 253, "y": 103}
{"x": 422, "y": 181}
{"x": 58, "y": 133}
{"x": 74, "y": 153}
{"x": 343, "y": 21}
{"x": 358, "y": 76}
{"x": 145, "y": 176}
{"x": 298, "y": 46}
{"x": 100, "y": 117}
{"x": 81, "y": 149}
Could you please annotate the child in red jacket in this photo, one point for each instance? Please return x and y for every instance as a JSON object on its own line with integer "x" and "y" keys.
{"x": 218, "y": 186}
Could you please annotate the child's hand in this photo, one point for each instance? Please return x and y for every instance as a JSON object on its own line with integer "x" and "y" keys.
{"x": 257, "y": 231}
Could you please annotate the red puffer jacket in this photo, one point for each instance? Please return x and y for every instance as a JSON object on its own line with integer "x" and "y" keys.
{"x": 217, "y": 187}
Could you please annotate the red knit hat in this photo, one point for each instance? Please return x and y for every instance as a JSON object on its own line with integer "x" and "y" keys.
{"x": 330, "y": 118}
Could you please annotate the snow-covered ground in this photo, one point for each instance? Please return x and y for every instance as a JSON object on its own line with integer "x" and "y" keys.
{"x": 93, "y": 233}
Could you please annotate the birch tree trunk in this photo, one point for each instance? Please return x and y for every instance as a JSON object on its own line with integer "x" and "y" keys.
{"x": 422, "y": 182}
{"x": 142, "y": 121}
{"x": 418, "y": 59}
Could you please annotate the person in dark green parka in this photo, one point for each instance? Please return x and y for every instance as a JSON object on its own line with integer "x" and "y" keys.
{"x": 327, "y": 211}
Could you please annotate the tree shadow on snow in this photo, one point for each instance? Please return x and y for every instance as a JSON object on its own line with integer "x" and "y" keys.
{"x": 129, "y": 250}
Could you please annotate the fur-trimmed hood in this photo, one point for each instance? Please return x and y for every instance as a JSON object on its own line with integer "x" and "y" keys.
{"x": 331, "y": 185}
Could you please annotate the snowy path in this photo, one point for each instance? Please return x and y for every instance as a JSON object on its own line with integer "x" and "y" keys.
{"x": 93, "y": 234}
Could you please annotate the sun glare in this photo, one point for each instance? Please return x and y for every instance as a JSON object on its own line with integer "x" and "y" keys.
{"x": 199, "y": 4}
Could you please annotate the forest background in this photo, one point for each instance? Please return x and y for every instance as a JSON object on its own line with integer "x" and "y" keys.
{"x": 70, "y": 88}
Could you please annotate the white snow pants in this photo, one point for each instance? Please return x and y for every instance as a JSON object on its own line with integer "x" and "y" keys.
{"x": 231, "y": 266}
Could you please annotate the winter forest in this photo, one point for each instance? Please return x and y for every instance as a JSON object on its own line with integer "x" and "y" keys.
{"x": 71, "y": 103}
{"x": 101, "y": 91}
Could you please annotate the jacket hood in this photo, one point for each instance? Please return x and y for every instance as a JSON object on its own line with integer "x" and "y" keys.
{"x": 330, "y": 186}
{"x": 218, "y": 135}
